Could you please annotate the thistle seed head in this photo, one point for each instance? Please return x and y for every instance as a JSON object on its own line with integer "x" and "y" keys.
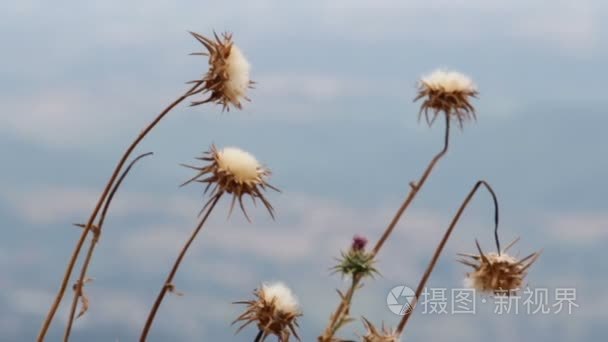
{"x": 233, "y": 171}
{"x": 496, "y": 272}
{"x": 449, "y": 92}
{"x": 227, "y": 79}
{"x": 275, "y": 310}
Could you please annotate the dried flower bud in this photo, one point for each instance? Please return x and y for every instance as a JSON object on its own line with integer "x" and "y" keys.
{"x": 275, "y": 310}
{"x": 227, "y": 80}
{"x": 374, "y": 334}
{"x": 448, "y": 92}
{"x": 497, "y": 273}
{"x": 233, "y": 171}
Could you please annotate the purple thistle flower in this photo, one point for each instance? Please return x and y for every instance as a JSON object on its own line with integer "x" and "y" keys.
{"x": 359, "y": 243}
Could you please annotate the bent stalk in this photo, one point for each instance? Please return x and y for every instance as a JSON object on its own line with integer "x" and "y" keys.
{"x": 168, "y": 285}
{"x": 78, "y": 291}
{"x": 89, "y": 225}
{"x": 344, "y": 305}
{"x": 441, "y": 245}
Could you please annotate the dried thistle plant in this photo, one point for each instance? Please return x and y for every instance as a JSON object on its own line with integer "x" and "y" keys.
{"x": 488, "y": 276}
{"x": 443, "y": 92}
{"x": 227, "y": 80}
{"x": 275, "y": 311}
{"x": 498, "y": 272}
{"x": 232, "y": 171}
{"x": 237, "y": 173}
{"x": 449, "y": 92}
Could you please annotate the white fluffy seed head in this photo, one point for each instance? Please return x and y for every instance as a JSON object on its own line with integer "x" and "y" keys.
{"x": 284, "y": 300}
{"x": 499, "y": 273}
{"x": 237, "y": 69}
{"x": 242, "y": 165}
{"x": 448, "y": 81}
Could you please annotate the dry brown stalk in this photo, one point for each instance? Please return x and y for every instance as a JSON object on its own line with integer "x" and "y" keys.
{"x": 89, "y": 226}
{"x": 78, "y": 286}
{"x": 343, "y": 307}
{"x": 441, "y": 245}
{"x": 168, "y": 285}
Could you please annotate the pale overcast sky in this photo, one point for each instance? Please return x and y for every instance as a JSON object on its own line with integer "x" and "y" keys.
{"x": 332, "y": 116}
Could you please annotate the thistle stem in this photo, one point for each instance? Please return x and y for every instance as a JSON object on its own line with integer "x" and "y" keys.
{"x": 83, "y": 273}
{"x": 258, "y": 337}
{"x": 342, "y": 312}
{"x": 414, "y": 189}
{"x": 168, "y": 285}
{"x": 441, "y": 245}
{"x": 89, "y": 225}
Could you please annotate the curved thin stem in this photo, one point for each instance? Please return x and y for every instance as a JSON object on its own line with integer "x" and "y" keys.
{"x": 89, "y": 225}
{"x": 258, "y": 337}
{"x": 83, "y": 273}
{"x": 495, "y": 200}
{"x": 415, "y": 188}
{"x": 441, "y": 245}
{"x": 168, "y": 285}
{"x": 104, "y": 211}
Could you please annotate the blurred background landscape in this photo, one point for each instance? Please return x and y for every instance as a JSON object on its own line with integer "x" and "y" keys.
{"x": 332, "y": 117}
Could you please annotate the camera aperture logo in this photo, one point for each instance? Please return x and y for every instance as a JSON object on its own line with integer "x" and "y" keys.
{"x": 400, "y": 300}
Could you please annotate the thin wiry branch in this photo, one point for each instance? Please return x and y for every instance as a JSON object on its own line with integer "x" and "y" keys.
{"x": 259, "y": 336}
{"x": 168, "y": 285}
{"x": 442, "y": 244}
{"x": 89, "y": 225}
{"x": 415, "y": 187}
{"x": 78, "y": 286}
{"x": 338, "y": 315}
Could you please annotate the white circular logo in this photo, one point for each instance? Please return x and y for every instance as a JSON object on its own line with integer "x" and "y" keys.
{"x": 400, "y": 299}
